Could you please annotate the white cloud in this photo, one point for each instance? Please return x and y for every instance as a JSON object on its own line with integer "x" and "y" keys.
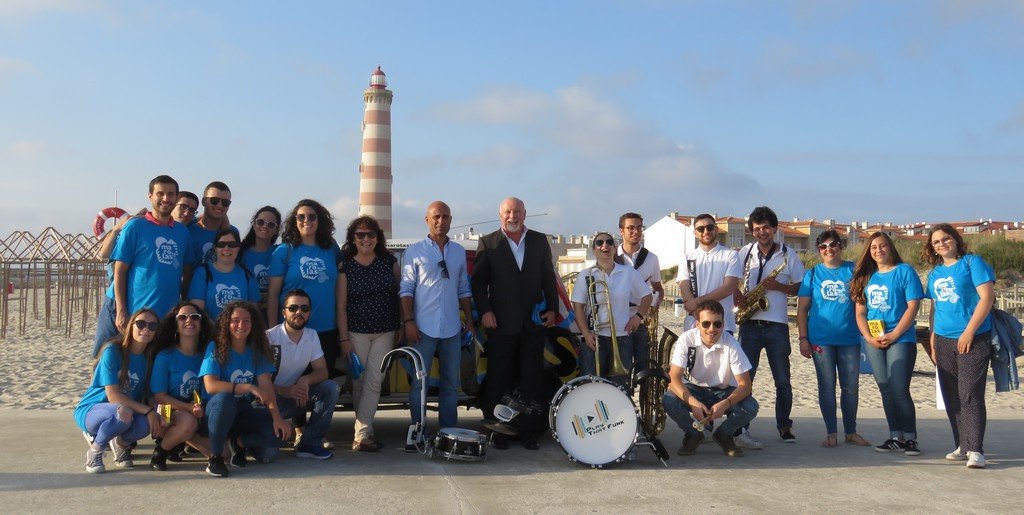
{"x": 498, "y": 156}
{"x": 499, "y": 105}
{"x": 344, "y": 209}
{"x": 1015, "y": 122}
{"x": 25, "y": 149}
{"x": 32, "y": 7}
{"x": 10, "y": 67}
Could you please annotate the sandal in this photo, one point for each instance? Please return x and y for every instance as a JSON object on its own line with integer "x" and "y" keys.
{"x": 368, "y": 445}
{"x": 857, "y": 439}
{"x": 831, "y": 440}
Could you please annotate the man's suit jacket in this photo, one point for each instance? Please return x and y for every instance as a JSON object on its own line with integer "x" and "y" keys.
{"x": 499, "y": 286}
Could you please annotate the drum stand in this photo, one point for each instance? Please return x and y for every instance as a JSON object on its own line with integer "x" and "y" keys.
{"x": 415, "y": 435}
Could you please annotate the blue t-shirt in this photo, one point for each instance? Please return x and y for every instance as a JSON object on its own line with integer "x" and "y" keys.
{"x": 220, "y": 289}
{"x": 200, "y": 248}
{"x": 831, "y": 319}
{"x": 243, "y": 367}
{"x": 315, "y": 270}
{"x": 258, "y": 264}
{"x": 176, "y": 374}
{"x": 154, "y": 255}
{"x": 107, "y": 370}
{"x": 887, "y": 295}
{"x": 954, "y": 290}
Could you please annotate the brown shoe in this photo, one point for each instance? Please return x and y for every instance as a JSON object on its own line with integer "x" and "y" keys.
{"x": 368, "y": 445}
{"x": 727, "y": 443}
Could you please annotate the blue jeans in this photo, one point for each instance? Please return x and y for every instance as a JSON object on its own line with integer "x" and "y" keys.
{"x": 449, "y": 356}
{"x": 893, "y": 367}
{"x": 773, "y": 337}
{"x": 827, "y": 360}
{"x": 107, "y": 420}
{"x": 736, "y": 417}
{"x": 106, "y": 324}
{"x": 641, "y": 348}
{"x": 588, "y": 361}
{"x": 230, "y": 417}
{"x": 322, "y": 398}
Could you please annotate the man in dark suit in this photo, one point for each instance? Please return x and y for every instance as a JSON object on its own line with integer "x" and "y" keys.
{"x": 512, "y": 273}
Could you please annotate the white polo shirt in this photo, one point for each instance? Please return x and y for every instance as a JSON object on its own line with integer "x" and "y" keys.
{"x": 290, "y": 358}
{"x": 714, "y": 367}
{"x": 625, "y": 286}
{"x": 649, "y": 270}
{"x": 792, "y": 274}
{"x": 712, "y": 267}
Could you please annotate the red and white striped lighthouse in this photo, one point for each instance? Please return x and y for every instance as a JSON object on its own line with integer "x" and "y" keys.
{"x": 375, "y": 167}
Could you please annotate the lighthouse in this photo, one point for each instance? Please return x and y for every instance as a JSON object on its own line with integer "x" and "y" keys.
{"x": 375, "y": 167}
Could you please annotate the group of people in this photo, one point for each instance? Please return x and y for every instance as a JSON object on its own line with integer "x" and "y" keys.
{"x": 227, "y": 345}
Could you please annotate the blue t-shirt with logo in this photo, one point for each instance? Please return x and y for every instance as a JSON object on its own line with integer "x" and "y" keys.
{"x": 240, "y": 367}
{"x": 200, "y": 249}
{"x": 107, "y": 369}
{"x": 831, "y": 319}
{"x": 258, "y": 264}
{"x": 954, "y": 290}
{"x": 218, "y": 289}
{"x": 176, "y": 374}
{"x": 154, "y": 255}
{"x": 886, "y": 296}
{"x": 314, "y": 270}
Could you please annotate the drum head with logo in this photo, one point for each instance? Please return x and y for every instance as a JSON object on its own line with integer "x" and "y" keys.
{"x": 595, "y": 422}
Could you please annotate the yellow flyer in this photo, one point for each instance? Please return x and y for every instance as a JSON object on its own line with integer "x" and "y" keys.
{"x": 876, "y": 327}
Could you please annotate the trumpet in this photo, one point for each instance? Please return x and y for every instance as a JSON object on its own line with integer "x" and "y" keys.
{"x": 596, "y": 324}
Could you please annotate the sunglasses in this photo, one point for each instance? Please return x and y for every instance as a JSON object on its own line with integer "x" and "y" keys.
{"x": 292, "y": 308}
{"x": 444, "y": 268}
{"x": 707, "y": 323}
{"x": 227, "y": 244}
{"x": 600, "y": 242}
{"x": 705, "y": 228}
{"x": 263, "y": 223}
{"x": 362, "y": 235}
{"x": 189, "y": 316}
{"x": 142, "y": 324}
{"x": 830, "y": 245}
{"x": 185, "y": 208}
{"x": 216, "y": 201}
{"x": 306, "y": 218}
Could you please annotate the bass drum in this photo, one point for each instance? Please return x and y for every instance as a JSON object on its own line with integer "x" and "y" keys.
{"x": 594, "y": 421}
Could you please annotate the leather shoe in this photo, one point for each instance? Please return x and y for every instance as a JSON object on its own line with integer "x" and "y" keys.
{"x": 531, "y": 444}
{"x": 499, "y": 442}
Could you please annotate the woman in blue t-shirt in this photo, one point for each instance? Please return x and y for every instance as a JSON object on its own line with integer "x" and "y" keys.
{"x": 242, "y": 410}
{"x": 175, "y": 379}
{"x": 113, "y": 411}
{"x": 888, "y": 293}
{"x": 369, "y": 317}
{"x": 215, "y": 285}
{"x": 829, "y": 335}
{"x": 258, "y": 245}
{"x": 961, "y": 289}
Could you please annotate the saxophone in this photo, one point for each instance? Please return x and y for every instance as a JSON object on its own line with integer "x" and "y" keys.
{"x": 756, "y": 299}
{"x": 652, "y": 389}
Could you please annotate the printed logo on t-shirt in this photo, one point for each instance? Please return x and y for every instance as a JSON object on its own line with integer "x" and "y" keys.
{"x": 209, "y": 255}
{"x": 167, "y": 252}
{"x": 275, "y": 350}
{"x": 227, "y": 294}
{"x": 945, "y": 290}
{"x": 189, "y": 384}
{"x": 313, "y": 269}
{"x": 834, "y": 291}
{"x": 877, "y": 297}
{"x": 260, "y": 271}
{"x": 133, "y": 381}
{"x": 241, "y": 376}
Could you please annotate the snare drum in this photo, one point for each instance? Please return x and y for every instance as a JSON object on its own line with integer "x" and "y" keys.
{"x": 594, "y": 421}
{"x": 459, "y": 444}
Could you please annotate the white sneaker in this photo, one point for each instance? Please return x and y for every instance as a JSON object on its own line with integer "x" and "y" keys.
{"x": 327, "y": 444}
{"x": 956, "y": 455}
{"x": 122, "y": 455}
{"x": 746, "y": 441}
{"x": 94, "y": 461}
{"x": 975, "y": 460}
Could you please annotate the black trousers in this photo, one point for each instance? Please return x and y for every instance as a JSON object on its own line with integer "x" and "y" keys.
{"x": 962, "y": 382}
{"x": 516, "y": 360}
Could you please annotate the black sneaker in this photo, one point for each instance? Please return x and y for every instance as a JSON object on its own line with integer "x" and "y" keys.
{"x": 727, "y": 443}
{"x": 690, "y": 443}
{"x": 237, "y": 454}
{"x": 215, "y": 467}
{"x": 893, "y": 445}
{"x": 787, "y": 435}
{"x": 159, "y": 459}
{"x": 910, "y": 448}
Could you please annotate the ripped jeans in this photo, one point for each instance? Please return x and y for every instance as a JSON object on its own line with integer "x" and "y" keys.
{"x": 107, "y": 420}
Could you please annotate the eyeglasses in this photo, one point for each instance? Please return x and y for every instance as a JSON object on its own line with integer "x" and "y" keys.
{"x": 634, "y": 228}
{"x": 292, "y": 308}
{"x": 142, "y": 324}
{"x": 216, "y": 201}
{"x": 444, "y": 268}
{"x": 600, "y": 242}
{"x": 306, "y": 218}
{"x": 362, "y": 235}
{"x": 263, "y": 223}
{"x": 943, "y": 242}
{"x": 705, "y": 228}
{"x": 707, "y": 323}
{"x": 185, "y": 208}
{"x": 189, "y": 316}
{"x": 830, "y": 245}
{"x": 227, "y": 244}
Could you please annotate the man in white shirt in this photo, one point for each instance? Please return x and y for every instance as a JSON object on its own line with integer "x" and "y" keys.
{"x": 645, "y": 262}
{"x": 296, "y": 348}
{"x": 712, "y": 270}
{"x": 434, "y": 287}
{"x": 709, "y": 379}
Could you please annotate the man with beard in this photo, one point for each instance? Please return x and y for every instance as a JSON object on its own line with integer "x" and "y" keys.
{"x": 645, "y": 262}
{"x": 297, "y": 349}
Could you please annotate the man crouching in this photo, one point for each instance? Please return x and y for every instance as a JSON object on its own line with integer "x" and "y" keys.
{"x": 710, "y": 377}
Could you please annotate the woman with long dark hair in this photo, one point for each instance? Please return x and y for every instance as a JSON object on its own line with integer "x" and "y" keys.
{"x": 258, "y": 246}
{"x": 217, "y": 284}
{"x": 960, "y": 286}
{"x": 888, "y": 293}
{"x": 113, "y": 411}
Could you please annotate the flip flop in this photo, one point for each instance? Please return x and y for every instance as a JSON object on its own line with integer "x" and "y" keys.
{"x": 830, "y": 441}
{"x": 856, "y": 439}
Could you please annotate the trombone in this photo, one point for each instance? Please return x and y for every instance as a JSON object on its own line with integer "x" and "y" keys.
{"x": 596, "y": 324}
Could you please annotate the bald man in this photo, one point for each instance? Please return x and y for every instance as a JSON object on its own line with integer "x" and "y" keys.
{"x": 434, "y": 287}
{"x": 512, "y": 275}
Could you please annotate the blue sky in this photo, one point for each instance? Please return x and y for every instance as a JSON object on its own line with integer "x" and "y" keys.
{"x": 877, "y": 111}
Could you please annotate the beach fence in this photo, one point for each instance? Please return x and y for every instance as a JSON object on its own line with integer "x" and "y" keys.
{"x": 51, "y": 276}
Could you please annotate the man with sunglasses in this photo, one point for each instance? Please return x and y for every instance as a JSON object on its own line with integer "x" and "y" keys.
{"x": 713, "y": 268}
{"x": 434, "y": 287}
{"x": 301, "y": 380}
{"x": 216, "y": 201}
{"x": 631, "y": 227}
{"x": 709, "y": 378}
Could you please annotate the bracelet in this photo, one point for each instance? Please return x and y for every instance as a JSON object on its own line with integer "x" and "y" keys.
{"x": 343, "y": 340}
{"x": 803, "y": 339}
{"x": 146, "y": 414}
{"x": 407, "y": 320}
{"x": 233, "y": 385}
